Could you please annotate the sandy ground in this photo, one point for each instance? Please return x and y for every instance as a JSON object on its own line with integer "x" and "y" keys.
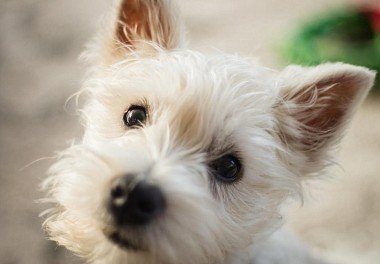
{"x": 39, "y": 43}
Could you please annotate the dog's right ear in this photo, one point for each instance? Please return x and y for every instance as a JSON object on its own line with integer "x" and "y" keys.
{"x": 314, "y": 108}
{"x": 143, "y": 23}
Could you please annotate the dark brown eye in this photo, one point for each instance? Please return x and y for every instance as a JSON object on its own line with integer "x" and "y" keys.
{"x": 226, "y": 168}
{"x": 135, "y": 116}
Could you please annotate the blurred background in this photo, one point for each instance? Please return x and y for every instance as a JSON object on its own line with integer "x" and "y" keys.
{"x": 40, "y": 41}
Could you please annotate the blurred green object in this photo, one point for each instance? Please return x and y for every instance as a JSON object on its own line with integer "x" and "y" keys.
{"x": 348, "y": 36}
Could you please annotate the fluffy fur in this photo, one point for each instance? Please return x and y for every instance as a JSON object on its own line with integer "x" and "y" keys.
{"x": 282, "y": 125}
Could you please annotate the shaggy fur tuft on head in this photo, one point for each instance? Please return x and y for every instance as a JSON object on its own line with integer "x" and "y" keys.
{"x": 281, "y": 126}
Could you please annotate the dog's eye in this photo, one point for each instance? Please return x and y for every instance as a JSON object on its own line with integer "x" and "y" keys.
{"x": 135, "y": 116}
{"x": 226, "y": 168}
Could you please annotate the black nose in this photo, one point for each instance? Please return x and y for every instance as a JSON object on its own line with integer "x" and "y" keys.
{"x": 135, "y": 203}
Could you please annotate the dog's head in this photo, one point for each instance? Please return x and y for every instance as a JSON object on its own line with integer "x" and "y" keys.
{"x": 187, "y": 157}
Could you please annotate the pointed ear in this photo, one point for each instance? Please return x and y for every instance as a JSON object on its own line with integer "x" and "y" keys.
{"x": 142, "y": 21}
{"x": 316, "y": 104}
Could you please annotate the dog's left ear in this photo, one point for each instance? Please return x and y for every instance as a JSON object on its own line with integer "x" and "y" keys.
{"x": 140, "y": 22}
{"x": 314, "y": 107}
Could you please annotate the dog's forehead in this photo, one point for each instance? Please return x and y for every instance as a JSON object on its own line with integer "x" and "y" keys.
{"x": 184, "y": 76}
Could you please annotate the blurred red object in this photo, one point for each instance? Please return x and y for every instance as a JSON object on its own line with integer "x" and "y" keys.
{"x": 372, "y": 10}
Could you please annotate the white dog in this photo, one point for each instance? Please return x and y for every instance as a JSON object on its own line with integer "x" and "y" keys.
{"x": 188, "y": 158}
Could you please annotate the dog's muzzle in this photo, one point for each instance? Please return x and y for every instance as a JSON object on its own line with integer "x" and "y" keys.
{"x": 134, "y": 201}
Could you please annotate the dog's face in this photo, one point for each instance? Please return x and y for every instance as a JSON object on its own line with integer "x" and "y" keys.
{"x": 187, "y": 158}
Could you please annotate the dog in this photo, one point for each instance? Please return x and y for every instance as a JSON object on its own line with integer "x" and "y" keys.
{"x": 187, "y": 157}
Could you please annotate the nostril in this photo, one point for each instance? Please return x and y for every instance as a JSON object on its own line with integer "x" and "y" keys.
{"x": 117, "y": 192}
{"x": 120, "y": 186}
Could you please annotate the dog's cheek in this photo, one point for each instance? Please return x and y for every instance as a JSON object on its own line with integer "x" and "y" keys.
{"x": 253, "y": 202}
{"x": 81, "y": 189}
{"x": 76, "y": 186}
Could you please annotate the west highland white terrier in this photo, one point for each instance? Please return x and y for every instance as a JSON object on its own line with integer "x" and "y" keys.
{"x": 188, "y": 158}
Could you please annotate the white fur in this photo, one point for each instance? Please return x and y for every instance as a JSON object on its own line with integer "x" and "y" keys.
{"x": 200, "y": 107}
